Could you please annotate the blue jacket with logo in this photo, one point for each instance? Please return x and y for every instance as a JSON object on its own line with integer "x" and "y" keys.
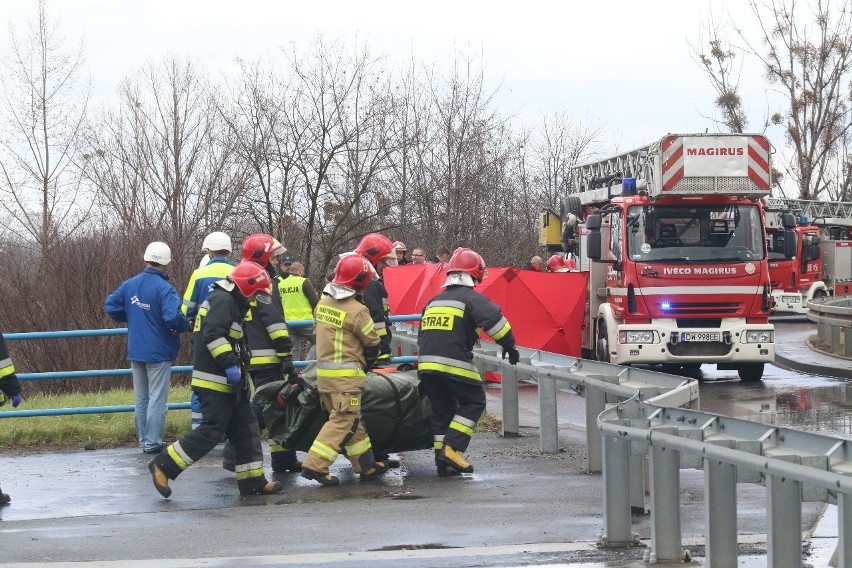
{"x": 151, "y": 308}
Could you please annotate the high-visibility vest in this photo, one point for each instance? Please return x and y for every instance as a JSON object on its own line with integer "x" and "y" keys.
{"x": 296, "y": 304}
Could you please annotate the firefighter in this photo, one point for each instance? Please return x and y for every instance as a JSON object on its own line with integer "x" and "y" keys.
{"x": 271, "y": 350}
{"x": 219, "y": 378}
{"x": 448, "y": 331}
{"x": 215, "y": 265}
{"x": 10, "y": 387}
{"x": 556, "y": 264}
{"x": 379, "y": 250}
{"x": 347, "y": 344}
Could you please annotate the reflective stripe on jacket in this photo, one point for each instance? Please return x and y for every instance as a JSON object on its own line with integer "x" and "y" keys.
{"x": 343, "y": 328}
{"x": 200, "y": 282}
{"x": 450, "y": 327}
{"x": 218, "y": 338}
{"x": 266, "y": 334}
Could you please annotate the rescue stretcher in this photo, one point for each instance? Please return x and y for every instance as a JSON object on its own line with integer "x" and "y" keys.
{"x": 395, "y": 414}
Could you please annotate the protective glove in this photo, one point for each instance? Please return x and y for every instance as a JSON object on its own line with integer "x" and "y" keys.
{"x": 287, "y": 369}
{"x": 514, "y": 356}
{"x": 16, "y": 400}
{"x": 233, "y": 374}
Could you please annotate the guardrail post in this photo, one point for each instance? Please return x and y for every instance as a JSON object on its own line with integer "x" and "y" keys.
{"x": 548, "y": 420}
{"x": 637, "y": 482}
{"x": 666, "y": 540}
{"x": 511, "y": 421}
{"x": 844, "y": 531}
{"x": 595, "y": 404}
{"x": 720, "y": 506}
{"x": 784, "y": 515}
{"x": 616, "y": 491}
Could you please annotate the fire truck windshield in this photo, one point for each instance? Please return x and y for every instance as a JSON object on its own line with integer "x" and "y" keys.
{"x": 701, "y": 233}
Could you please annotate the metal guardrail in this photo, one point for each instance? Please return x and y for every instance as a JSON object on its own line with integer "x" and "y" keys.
{"x": 653, "y": 432}
{"x": 833, "y": 317}
{"x": 599, "y": 383}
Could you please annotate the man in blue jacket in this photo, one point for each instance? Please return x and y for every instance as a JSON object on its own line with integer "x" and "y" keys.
{"x": 151, "y": 307}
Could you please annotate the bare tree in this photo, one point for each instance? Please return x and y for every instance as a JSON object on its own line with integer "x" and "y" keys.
{"x": 44, "y": 106}
{"x": 718, "y": 58}
{"x": 807, "y": 58}
{"x": 166, "y": 160}
{"x": 562, "y": 141}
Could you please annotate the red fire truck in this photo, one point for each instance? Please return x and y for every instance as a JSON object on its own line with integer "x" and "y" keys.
{"x": 672, "y": 235}
{"x": 834, "y": 220}
{"x": 794, "y": 280}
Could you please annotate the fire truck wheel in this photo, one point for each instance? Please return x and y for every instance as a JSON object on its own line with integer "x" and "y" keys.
{"x": 819, "y": 294}
{"x": 750, "y": 372}
{"x": 602, "y": 342}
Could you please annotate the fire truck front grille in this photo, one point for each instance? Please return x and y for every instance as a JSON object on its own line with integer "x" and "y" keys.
{"x": 684, "y": 323}
{"x": 699, "y": 308}
{"x": 696, "y": 349}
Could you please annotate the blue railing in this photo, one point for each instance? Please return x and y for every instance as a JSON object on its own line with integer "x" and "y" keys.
{"x": 52, "y": 375}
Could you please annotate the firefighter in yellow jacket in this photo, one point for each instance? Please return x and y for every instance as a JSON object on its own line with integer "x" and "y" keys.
{"x": 347, "y": 344}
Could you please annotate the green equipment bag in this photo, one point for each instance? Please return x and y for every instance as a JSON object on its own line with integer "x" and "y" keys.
{"x": 396, "y": 416}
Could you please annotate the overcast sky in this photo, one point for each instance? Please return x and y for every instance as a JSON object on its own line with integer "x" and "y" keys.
{"x": 626, "y": 64}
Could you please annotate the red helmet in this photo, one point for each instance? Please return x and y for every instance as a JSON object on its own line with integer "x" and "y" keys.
{"x": 570, "y": 263}
{"x": 354, "y": 272}
{"x": 466, "y": 260}
{"x": 399, "y": 245}
{"x": 259, "y": 247}
{"x": 375, "y": 248}
{"x": 555, "y": 263}
{"x": 251, "y": 278}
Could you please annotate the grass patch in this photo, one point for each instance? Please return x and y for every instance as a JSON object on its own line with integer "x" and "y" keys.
{"x": 103, "y": 430}
{"x": 487, "y": 423}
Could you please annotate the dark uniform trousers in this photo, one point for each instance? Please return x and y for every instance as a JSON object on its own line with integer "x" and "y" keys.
{"x": 456, "y": 407}
{"x": 281, "y": 456}
{"x": 230, "y": 414}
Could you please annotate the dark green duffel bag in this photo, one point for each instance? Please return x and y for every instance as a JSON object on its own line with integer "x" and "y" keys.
{"x": 395, "y": 415}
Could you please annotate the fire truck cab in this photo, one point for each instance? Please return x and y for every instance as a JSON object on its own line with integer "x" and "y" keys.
{"x": 798, "y": 279}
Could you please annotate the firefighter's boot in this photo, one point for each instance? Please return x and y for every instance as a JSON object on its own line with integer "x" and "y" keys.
{"x": 161, "y": 480}
{"x": 228, "y": 457}
{"x": 325, "y": 479}
{"x": 285, "y": 461}
{"x": 450, "y": 456}
{"x": 370, "y": 468}
{"x": 389, "y": 461}
{"x": 270, "y": 488}
{"x": 444, "y": 470}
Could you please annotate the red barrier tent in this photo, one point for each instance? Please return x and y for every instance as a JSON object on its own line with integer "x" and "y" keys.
{"x": 546, "y": 310}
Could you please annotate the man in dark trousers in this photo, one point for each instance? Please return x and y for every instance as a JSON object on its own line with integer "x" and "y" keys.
{"x": 219, "y": 378}
{"x": 448, "y": 331}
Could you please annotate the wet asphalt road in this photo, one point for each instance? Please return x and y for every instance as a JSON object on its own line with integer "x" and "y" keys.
{"x": 520, "y": 507}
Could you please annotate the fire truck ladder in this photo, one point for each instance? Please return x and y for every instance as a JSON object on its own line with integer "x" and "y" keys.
{"x": 833, "y": 212}
{"x": 610, "y": 171}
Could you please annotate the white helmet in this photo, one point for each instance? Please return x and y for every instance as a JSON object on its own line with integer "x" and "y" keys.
{"x": 217, "y": 241}
{"x": 158, "y": 252}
